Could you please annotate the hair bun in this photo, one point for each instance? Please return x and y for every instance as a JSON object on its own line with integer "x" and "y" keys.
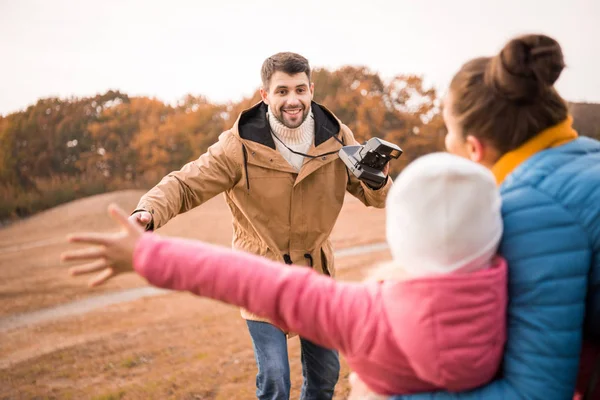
{"x": 526, "y": 66}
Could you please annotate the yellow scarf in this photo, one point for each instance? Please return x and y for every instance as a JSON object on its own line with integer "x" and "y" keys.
{"x": 552, "y": 137}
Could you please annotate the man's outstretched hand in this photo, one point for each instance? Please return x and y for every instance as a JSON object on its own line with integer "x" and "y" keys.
{"x": 141, "y": 217}
{"x": 111, "y": 254}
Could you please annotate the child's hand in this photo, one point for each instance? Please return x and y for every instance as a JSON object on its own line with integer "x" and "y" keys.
{"x": 113, "y": 253}
{"x": 360, "y": 391}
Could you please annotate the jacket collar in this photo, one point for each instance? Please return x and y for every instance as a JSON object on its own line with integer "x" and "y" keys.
{"x": 554, "y": 136}
{"x": 253, "y": 125}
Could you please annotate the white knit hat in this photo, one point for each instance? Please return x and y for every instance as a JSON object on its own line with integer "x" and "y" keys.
{"x": 443, "y": 215}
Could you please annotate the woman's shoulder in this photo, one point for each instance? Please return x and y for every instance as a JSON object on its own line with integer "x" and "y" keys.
{"x": 568, "y": 176}
{"x": 574, "y": 162}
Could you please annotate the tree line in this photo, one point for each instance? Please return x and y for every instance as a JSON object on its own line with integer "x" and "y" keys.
{"x": 58, "y": 150}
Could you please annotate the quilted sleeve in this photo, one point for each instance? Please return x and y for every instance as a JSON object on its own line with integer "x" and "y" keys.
{"x": 592, "y": 222}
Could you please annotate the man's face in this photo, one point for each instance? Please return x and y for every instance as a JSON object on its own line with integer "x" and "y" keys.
{"x": 289, "y": 97}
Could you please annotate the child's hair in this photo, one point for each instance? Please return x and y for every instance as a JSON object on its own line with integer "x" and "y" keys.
{"x": 509, "y": 98}
{"x": 443, "y": 216}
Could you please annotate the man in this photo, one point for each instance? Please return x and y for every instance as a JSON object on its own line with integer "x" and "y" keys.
{"x": 284, "y": 184}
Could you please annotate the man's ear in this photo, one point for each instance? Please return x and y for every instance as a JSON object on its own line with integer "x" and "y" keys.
{"x": 264, "y": 95}
{"x": 312, "y": 90}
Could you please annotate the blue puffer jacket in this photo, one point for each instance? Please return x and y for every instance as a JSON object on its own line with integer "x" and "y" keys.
{"x": 551, "y": 212}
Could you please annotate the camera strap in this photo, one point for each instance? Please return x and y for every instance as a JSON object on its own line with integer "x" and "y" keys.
{"x": 320, "y": 155}
{"x": 309, "y": 156}
{"x": 302, "y": 154}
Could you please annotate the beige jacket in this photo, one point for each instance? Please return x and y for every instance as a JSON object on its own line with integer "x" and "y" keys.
{"x": 278, "y": 213}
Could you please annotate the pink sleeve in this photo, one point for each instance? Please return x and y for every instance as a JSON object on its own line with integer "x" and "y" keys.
{"x": 297, "y": 299}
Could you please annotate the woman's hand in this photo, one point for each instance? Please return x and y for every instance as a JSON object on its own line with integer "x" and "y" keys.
{"x": 112, "y": 253}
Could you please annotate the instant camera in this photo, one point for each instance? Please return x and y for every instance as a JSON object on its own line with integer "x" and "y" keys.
{"x": 367, "y": 161}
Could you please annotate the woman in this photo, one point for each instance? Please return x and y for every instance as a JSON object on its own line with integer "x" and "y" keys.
{"x": 504, "y": 113}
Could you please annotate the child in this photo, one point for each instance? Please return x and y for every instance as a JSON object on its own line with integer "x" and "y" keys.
{"x": 432, "y": 318}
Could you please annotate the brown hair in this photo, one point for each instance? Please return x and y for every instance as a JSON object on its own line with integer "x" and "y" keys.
{"x": 509, "y": 98}
{"x": 290, "y": 63}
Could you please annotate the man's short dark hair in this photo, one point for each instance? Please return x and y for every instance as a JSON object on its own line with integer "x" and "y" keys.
{"x": 290, "y": 63}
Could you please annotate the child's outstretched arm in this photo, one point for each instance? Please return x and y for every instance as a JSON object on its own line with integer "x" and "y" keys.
{"x": 332, "y": 314}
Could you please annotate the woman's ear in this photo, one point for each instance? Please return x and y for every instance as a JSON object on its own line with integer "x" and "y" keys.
{"x": 476, "y": 149}
{"x": 481, "y": 151}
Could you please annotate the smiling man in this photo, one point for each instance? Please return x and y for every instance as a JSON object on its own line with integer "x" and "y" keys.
{"x": 284, "y": 183}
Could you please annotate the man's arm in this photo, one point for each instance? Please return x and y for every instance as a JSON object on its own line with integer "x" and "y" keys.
{"x": 197, "y": 182}
{"x": 374, "y": 197}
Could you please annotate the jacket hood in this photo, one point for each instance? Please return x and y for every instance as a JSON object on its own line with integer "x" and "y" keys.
{"x": 253, "y": 125}
{"x": 457, "y": 320}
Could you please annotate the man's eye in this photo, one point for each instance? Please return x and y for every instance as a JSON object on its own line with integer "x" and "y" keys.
{"x": 301, "y": 90}
{"x": 282, "y": 92}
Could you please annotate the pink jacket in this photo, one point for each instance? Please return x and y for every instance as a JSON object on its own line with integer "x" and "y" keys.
{"x": 400, "y": 337}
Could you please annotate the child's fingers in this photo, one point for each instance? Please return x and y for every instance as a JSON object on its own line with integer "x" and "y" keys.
{"x": 87, "y": 268}
{"x": 89, "y": 253}
{"x": 90, "y": 238}
{"x": 119, "y": 215}
{"x": 102, "y": 277}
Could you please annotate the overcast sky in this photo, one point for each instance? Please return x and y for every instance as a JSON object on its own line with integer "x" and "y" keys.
{"x": 170, "y": 48}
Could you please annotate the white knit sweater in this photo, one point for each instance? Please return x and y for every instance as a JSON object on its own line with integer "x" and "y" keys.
{"x": 298, "y": 139}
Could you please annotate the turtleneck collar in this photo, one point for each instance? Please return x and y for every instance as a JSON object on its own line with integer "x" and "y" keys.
{"x": 303, "y": 134}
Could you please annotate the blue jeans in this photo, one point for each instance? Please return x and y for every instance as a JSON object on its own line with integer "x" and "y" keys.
{"x": 320, "y": 366}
